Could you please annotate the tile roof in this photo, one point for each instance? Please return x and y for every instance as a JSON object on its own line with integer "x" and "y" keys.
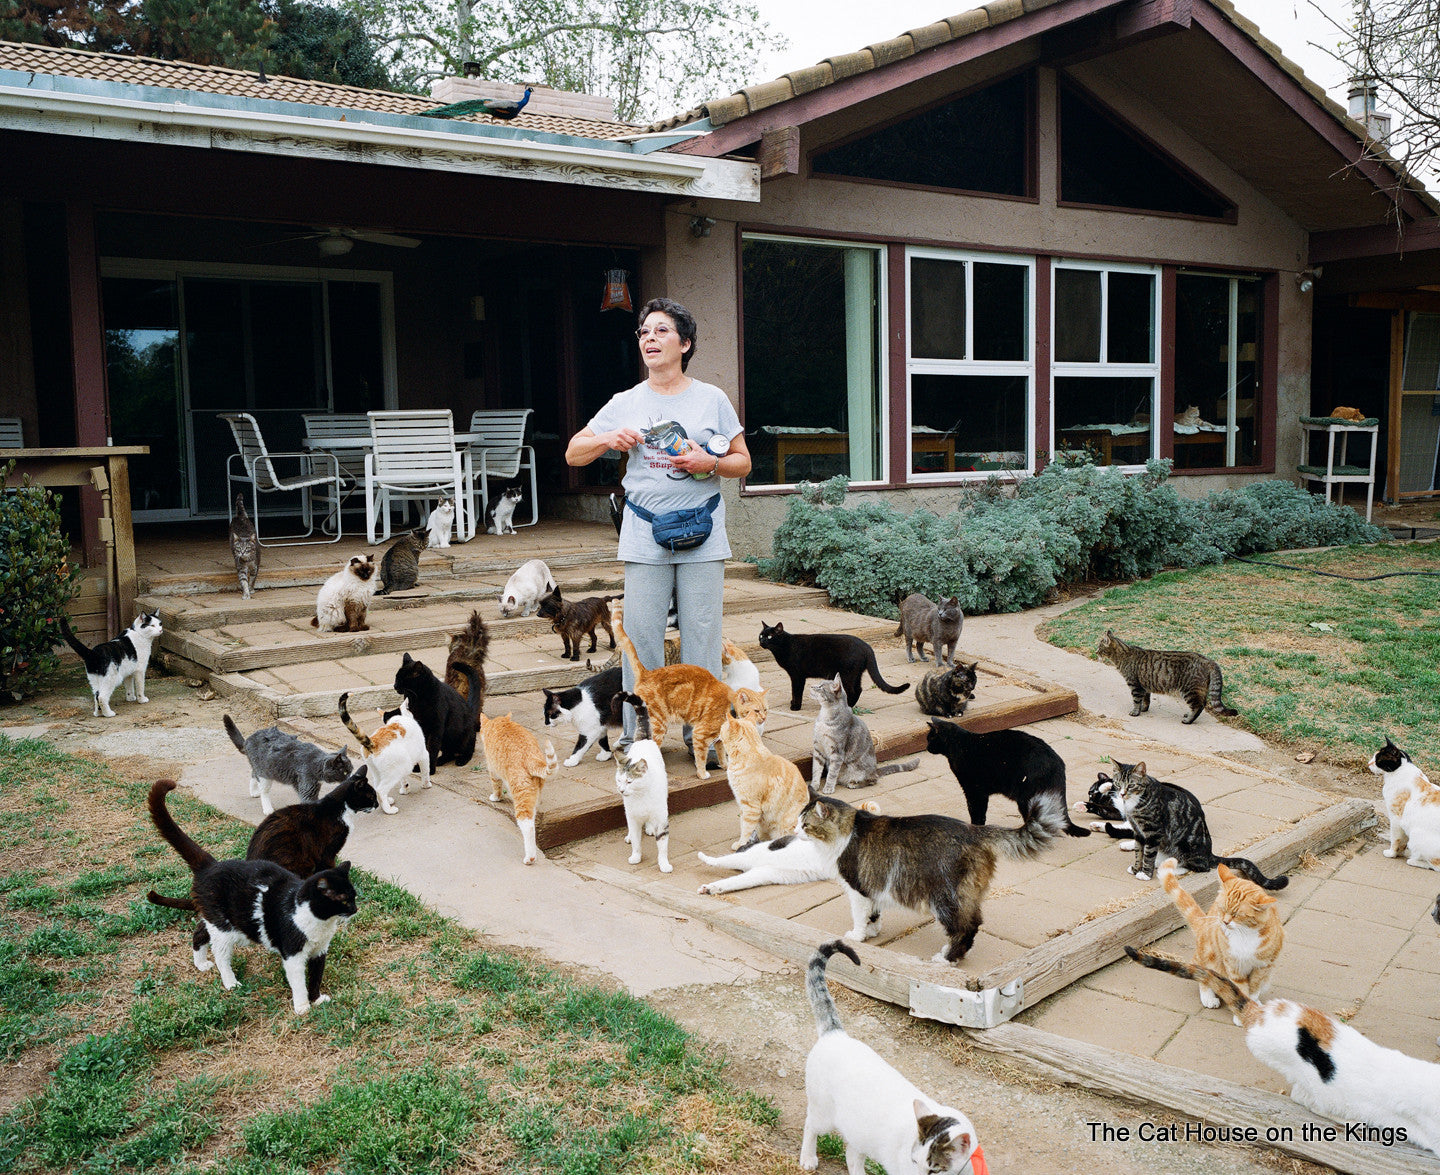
{"x": 215, "y": 79}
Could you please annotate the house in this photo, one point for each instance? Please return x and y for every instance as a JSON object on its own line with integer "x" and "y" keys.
{"x": 1128, "y": 226}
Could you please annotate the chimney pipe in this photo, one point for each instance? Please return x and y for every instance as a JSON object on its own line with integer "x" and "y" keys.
{"x": 1363, "y": 109}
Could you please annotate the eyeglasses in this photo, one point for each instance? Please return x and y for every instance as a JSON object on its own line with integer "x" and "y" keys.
{"x": 660, "y": 332}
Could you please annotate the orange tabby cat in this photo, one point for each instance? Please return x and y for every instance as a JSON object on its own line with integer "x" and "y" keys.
{"x": 1240, "y": 938}
{"x": 516, "y": 763}
{"x": 768, "y": 787}
{"x": 686, "y": 693}
{"x": 750, "y": 705}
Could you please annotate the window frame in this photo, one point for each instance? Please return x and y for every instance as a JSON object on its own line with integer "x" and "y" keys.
{"x": 1234, "y": 278}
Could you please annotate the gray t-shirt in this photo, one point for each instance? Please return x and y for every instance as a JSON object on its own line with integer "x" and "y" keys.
{"x": 652, "y": 482}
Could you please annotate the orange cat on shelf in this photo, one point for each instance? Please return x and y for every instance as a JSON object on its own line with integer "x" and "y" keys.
{"x": 516, "y": 763}
{"x": 684, "y": 693}
{"x": 768, "y": 787}
{"x": 1240, "y": 938}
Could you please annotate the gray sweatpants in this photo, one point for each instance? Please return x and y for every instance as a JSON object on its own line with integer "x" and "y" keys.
{"x": 699, "y": 590}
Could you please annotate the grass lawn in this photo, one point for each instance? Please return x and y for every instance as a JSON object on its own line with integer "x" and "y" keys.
{"x": 1372, "y": 671}
{"x": 434, "y": 1054}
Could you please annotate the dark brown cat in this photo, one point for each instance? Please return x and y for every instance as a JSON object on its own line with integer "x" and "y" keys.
{"x": 1191, "y": 676}
{"x": 468, "y": 647}
{"x": 575, "y": 620}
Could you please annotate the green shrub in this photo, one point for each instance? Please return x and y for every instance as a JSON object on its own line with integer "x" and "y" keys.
{"x": 36, "y": 582}
{"x": 1002, "y": 551}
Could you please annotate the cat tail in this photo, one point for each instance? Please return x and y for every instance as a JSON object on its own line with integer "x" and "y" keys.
{"x": 159, "y": 899}
{"x": 83, "y": 653}
{"x": 477, "y": 691}
{"x": 1251, "y": 872}
{"x": 1217, "y": 684}
{"x": 1186, "y": 904}
{"x": 190, "y": 852}
{"x": 1044, "y": 821}
{"x": 363, "y": 738}
{"x": 642, "y": 715}
{"x": 1234, "y": 999}
{"x": 892, "y": 768}
{"x": 627, "y": 646}
{"x": 234, "y": 732}
{"x": 552, "y": 760}
{"x": 880, "y": 681}
{"x": 827, "y": 1017}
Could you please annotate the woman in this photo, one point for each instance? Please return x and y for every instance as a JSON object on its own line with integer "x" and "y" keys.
{"x": 658, "y": 482}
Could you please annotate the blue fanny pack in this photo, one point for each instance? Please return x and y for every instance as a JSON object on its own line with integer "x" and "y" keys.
{"x": 680, "y": 530}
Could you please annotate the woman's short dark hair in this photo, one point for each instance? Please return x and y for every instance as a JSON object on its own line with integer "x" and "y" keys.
{"x": 684, "y": 323}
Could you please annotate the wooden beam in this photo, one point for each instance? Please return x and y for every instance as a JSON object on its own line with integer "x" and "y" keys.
{"x": 779, "y": 153}
{"x": 87, "y": 357}
{"x": 1141, "y": 20}
{"x": 1397, "y": 375}
{"x": 1421, "y": 300}
{"x": 1383, "y": 240}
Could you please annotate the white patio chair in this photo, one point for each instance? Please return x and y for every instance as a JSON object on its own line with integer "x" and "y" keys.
{"x": 257, "y": 465}
{"x": 502, "y": 453}
{"x": 348, "y": 426}
{"x": 12, "y": 435}
{"x": 413, "y": 455}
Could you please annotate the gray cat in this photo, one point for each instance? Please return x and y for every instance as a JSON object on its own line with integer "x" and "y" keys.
{"x": 400, "y": 568}
{"x": 843, "y": 750}
{"x": 921, "y": 620}
{"x": 277, "y": 757}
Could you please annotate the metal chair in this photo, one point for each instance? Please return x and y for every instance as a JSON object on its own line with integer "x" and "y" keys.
{"x": 321, "y": 427}
{"x": 258, "y": 465}
{"x": 413, "y": 455}
{"x": 502, "y": 453}
{"x": 12, "y": 434}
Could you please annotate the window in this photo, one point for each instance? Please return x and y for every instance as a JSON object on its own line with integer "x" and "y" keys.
{"x": 976, "y": 143}
{"x": 1104, "y": 367}
{"x": 1217, "y": 370}
{"x": 813, "y": 389}
{"x": 970, "y": 362}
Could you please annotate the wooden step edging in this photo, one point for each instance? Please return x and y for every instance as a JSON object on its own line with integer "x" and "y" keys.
{"x": 952, "y": 995}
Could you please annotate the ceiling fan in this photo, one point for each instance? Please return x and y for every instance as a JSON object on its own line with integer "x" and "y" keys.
{"x": 336, "y": 241}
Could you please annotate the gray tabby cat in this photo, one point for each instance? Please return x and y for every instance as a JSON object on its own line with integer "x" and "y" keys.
{"x": 921, "y": 620}
{"x": 245, "y": 547}
{"x": 843, "y": 750}
{"x": 400, "y": 568}
{"x": 277, "y": 757}
{"x": 944, "y": 693}
{"x": 1190, "y": 676}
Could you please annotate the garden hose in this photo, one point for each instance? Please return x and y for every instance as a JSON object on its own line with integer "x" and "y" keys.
{"x": 1331, "y": 574}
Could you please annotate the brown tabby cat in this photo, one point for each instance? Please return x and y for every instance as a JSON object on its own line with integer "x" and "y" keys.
{"x": 1240, "y": 938}
{"x": 516, "y": 763}
{"x": 468, "y": 647}
{"x": 686, "y": 693}
{"x": 576, "y": 619}
{"x": 1191, "y": 676}
{"x": 768, "y": 787}
{"x": 400, "y": 565}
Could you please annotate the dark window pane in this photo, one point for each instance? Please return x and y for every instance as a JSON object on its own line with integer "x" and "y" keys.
{"x": 357, "y": 368}
{"x": 142, "y": 338}
{"x": 287, "y": 346}
{"x": 937, "y": 309}
{"x": 977, "y": 143}
{"x": 1103, "y": 162}
{"x": 964, "y": 422}
{"x": 1203, "y": 371}
{"x": 1130, "y": 318}
{"x": 1108, "y": 415}
{"x": 1077, "y": 316}
{"x": 1001, "y": 314}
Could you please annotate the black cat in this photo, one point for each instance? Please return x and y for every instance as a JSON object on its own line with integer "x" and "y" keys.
{"x": 823, "y": 655}
{"x": 447, "y": 719}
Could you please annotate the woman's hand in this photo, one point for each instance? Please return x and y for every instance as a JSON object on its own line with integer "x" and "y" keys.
{"x": 695, "y": 460}
{"x": 586, "y": 446}
{"x": 623, "y": 439}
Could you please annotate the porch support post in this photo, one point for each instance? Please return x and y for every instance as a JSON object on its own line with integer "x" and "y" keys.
{"x": 87, "y": 350}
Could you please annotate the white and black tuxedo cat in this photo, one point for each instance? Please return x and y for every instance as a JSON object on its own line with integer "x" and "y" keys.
{"x": 123, "y": 659}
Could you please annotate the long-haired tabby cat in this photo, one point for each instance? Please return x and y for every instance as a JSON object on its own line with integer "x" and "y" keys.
{"x": 516, "y": 764}
{"x": 400, "y": 565}
{"x": 1332, "y": 1069}
{"x": 923, "y": 619}
{"x": 576, "y": 619}
{"x": 1190, "y": 676}
{"x": 1165, "y": 818}
{"x": 768, "y": 787}
{"x": 842, "y": 749}
{"x": 1240, "y": 937}
{"x": 644, "y": 788}
{"x": 823, "y": 655}
{"x": 277, "y": 757}
{"x": 926, "y": 863}
{"x": 343, "y": 601}
{"x": 1413, "y": 804}
{"x": 945, "y": 693}
{"x": 123, "y": 659}
{"x": 687, "y": 693}
{"x": 468, "y": 648}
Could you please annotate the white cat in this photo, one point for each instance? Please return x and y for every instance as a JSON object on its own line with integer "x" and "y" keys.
{"x": 503, "y": 513}
{"x": 786, "y": 860}
{"x": 644, "y": 786}
{"x": 1413, "y": 804}
{"x": 123, "y": 659}
{"x": 850, "y": 1090}
{"x": 441, "y": 520}
{"x": 392, "y": 752}
{"x": 343, "y": 600}
{"x": 524, "y": 589}
{"x": 736, "y": 669}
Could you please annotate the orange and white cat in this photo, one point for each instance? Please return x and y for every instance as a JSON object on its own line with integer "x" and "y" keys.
{"x": 518, "y": 765}
{"x": 1240, "y": 938}
{"x": 736, "y": 669}
{"x": 750, "y": 704}
{"x": 1413, "y": 804}
{"x": 768, "y": 787}
{"x": 683, "y": 693}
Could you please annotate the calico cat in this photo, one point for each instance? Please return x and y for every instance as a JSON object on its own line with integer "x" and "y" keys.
{"x": 502, "y": 514}
{"x": 277, "y": 757}
{"x": 244, "y": 548}
{"x": 437, "y": 527}
{"x": 1240, "y": 938}
{"x": 575, "y": 620}
{"x": 448, "y": 720}
{"x": 343, "y": 601}
{"x": 823, "y": 655}
{"x": 1332, "y": 1069}
{"x": 400, "y": 565}
{"x": 1167, "y": 818}
{"x": 924, "y": 863}
{"x": 786, "y": 860}
{"x": 516, "y": 764}
{"x": 850, "y": 1090}
{"x": 1009, "y": 763}
{"x": 922, "y": 619}
{"x": 1191, "y": 676}
{"x": 645, "y": 788}
{"x": 525, "y": 589}
{"x": 842, "y": 749}
{"x": 123, "y": 659}
{"x": 736, "y": 669}
{"x": 768, "y": 787}
{"x": 686, "y": 693}
{"x": 468, "y": 647}
{"x": 945, "y": 693}
{"x": 392, "y": 752}
{"x": 587, "y": 708}
{"x": 1413, "y": 804}
{"x": 260, "y": 902}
